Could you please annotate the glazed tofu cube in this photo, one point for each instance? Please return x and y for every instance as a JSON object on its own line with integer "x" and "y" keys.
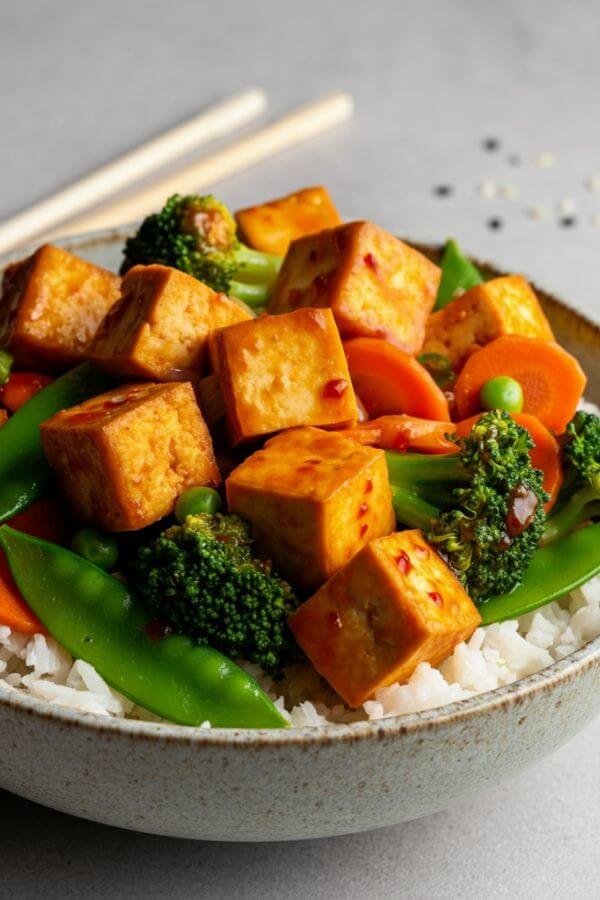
{"x": 375, "y": 285}
{"x": 313, "y": 499}
{"x": 278, "y": 372}
{"x": 501, "y": 306}
{"x": 51, "y": 305}
{"x": 395, "y": 605}
{"x": 123, "y": 458}
{"x": 271, "y": 227}
{"x": 160, "y": 327}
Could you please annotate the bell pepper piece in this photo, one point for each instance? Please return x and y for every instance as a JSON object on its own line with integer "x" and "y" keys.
{"x": 554, "y": 571}
{"x": 458, "y": 275}
{"x": 24, "y": 472}
{"x": 97, "y": 619}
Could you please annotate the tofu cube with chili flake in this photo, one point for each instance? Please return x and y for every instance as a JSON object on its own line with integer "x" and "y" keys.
{"x": 505, "y": 305}
{"x": 51, "y": 305}
{"x": 123, "y": 458}
{"x": 272, "y": 226}
{"x": 395, "y": 605}
{"x": 279, "y": 372}
{"x": 313, "y": 499}
{"x": 160, "y": 327}
{"x": 375, "y": 285}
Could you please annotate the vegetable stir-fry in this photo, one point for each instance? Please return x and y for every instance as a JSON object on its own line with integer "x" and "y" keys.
{"x": 281, "y": 439}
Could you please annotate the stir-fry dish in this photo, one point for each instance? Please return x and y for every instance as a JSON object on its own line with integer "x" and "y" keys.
{"x": 285, "y": 469}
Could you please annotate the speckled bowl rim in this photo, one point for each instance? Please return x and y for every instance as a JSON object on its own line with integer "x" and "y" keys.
{"x": 517, "y": 692}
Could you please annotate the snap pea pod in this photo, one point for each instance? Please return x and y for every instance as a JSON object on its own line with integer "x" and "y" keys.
{"x": 24, "y": 471}
{"x": 458, "y": 274}
{"x": 554, "y": 571}
{"x": 97, "y": 619}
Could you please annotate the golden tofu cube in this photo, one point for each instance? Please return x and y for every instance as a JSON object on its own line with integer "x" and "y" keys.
{"x": 394, "y": 606}
{"x": 313, "y": 498}
{"x": 505, "y": 305}
{"x": 123, "y": 458}
{"x": 51, "y": 305}
{"x": 272, "y": 226}
{"x": 375, "y": 285}
{"x": 279, "y": 372}
{"x": 160, "y": 327}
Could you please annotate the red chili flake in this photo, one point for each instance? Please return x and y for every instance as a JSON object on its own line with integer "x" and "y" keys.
{"x": 334, "y": 389}
{"x": 369, "y": 486}
{"x": 321, "y": 282}
{"x": 403, "y": 562}
{"x": 401, "y": 442}
{"x": 295, "y": 298}
{"x": 156, "y": 629}
{"x": 371, "y": 262}
{"x": 314, "y": 462}
{"x": 363, "y": 509}
{"x": 437, "y": 598}
{"x": 334, "y": 621}
{"x": 363, "y": 530}
{"x": 313, "y": 256}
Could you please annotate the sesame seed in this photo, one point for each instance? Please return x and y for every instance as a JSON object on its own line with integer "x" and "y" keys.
{"x": 545, "y": 159}
{"x": 495, "y": 224}
{"x": 487, "y": 189}
{"x": 510, "y": 191}
{"x": 539, "y": 213}
{"x": 491, "y": 144}
{"x": 593, "y": 183}
{"x": 567, "y": 221}
{"x": 566, "y": 206}
{"x": 442, "y": 190}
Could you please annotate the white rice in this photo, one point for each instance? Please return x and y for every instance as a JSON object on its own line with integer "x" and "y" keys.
{"x": 494, "y": 656}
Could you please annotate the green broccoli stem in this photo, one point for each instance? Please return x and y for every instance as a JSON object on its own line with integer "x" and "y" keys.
{"x": 412, "y": 510}
{"x": 409, "y": 468}
{"x": 582, "y": 506}
{"x": 255, "y": 267}
{"x": 252, "y": 295}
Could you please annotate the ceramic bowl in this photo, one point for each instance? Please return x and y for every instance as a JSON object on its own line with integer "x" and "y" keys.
{"x": 260, "y": 786}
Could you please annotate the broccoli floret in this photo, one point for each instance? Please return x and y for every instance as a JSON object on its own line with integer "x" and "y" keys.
{"x": 202, "y": 579}
{"x": 580, "y": 497}
{"x": 483, "y": 507}
{"x": 198, "y": 235}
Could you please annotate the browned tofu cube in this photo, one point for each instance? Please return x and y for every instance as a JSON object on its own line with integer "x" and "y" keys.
{"x": 395, "y": 605}
{"x": 272, "y": 226}
{"x": 278, "y": 372}
{"x": 160, "y": 327}
{"x": 51, "y": 305}
{"x": 313, "y": 498}
{"x": 123, "y": 458}
{"x": 375, "y": 285}
{"x": 505, "y": 305}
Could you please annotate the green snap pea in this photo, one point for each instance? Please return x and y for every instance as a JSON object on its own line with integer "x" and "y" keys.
{"x": 502, "y": 392}
{"x": 24, "y": 472}
{"x": 458, "y": 275}
{"x": 97, "y": 619}
{"x": 6, "y": 362}
{"x": 439, "y": 367}
{"x": 554, "y": 571}
{"x": 95, "y": 546}
{"x": 195, "y": 501}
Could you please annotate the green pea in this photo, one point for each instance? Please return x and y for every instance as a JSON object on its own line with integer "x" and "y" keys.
{"x": 502, "y": 392}
{"x": 98, "y": 548}
{"x": 195, "y": 501}
{"x": 6, "y": 362}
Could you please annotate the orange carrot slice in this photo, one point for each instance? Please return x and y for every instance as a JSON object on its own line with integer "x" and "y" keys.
{"x": 552, "y": 379}
{"x": 21, "y": 387}
{"x": 545, "y": 454}
{"x": 390, "y": 381}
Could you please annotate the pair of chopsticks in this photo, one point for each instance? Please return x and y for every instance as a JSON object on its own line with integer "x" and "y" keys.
{"x": 77, "y": 207}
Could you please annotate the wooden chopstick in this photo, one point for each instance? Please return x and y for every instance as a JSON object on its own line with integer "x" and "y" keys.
{"x": 219, "y": 119}
{"x": 298, "y": 126}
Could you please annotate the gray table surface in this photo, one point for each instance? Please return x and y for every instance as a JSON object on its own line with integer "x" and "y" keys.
{"x": 82, "y": 82}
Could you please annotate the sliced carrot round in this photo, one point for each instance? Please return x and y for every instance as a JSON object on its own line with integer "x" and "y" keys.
{"x": 552, "y": 379}
{"x": 390, "y": 381}
{"x": 545, "y": 453}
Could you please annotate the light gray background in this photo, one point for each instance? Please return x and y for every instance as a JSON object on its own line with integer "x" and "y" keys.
{"x": 84, "y": 81}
